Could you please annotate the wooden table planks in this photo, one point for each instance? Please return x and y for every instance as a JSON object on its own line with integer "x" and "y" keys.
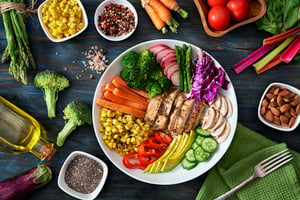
{"x": 228, "y": 50}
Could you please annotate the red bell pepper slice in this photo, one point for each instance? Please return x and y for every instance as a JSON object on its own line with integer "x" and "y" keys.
{"x": 156, "y": 144}
{"x": 145, "y": 149}
{"x": 147, "y": 160}
{"x": 163, "y": 137}
{"x": 132, "y": 161}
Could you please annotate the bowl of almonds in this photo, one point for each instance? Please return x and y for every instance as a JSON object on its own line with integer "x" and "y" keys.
{"x": 279, "y": 107}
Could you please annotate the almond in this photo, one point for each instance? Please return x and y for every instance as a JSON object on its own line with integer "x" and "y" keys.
{"x": 270, "y": 96}
{"x": 271, "y": 90}
{"x": 288, "y": 115}
{"x": 284, "y": 119}
{"x": 265, "y": 103}
{"x": 276, "y": 120}
{"x": 297, "y": 110}
{"x": 284, "y": 93}
{"x": 279, "y": 100}
{"x": 292, "y": 122}
{"x": 295, "y": 100}
{"x": 285, "y": 108}
{"x": 263, "y": 110}
{"x": 275, "y": 111}
{"x": 276, "y": 91}
{"x": 293, "y": 112}
{"x": 269, "y": 116}
{"x": 273, "y": 102}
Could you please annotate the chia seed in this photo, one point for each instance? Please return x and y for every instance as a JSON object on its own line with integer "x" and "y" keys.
{"x": 83, "y": 174}
{"x": 116, "y": 20}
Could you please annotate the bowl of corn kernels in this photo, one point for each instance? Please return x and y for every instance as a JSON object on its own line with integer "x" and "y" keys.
{"x": 62, "y": 20}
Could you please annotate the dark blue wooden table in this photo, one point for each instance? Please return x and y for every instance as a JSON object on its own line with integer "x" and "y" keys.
{"x": 228, "y": 50}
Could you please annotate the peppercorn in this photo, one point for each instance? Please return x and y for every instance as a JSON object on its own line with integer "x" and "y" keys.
{"x": 116, "y": 20}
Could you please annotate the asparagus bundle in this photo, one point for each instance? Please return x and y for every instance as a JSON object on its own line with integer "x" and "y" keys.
{"x": 17, "y": 50}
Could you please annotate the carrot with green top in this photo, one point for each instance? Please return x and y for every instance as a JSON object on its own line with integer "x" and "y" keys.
{"x": 163, "y": 13}
{"x": 158, "y": 23}
{"x": 173, "y": 5}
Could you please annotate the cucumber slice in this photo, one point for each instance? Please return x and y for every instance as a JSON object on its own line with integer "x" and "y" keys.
{"x": 200, "y": 154}
{"x": 194, "y": 145}
{"x": 187, "y": 164}
{"x": 190, "y": 155}
{"x": 202, "y": 132}
{"x": 209, "y": 144}
{"x": 199, "y": 140}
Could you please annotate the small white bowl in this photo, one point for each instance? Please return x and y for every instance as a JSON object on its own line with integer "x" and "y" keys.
{"x": 272, "y": 125}
{"x": 48, "y": 34}
{"x": 61, "y": 177}
{"x": 99, "y": 11}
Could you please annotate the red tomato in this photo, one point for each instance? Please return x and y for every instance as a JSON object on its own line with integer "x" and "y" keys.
{"x": 239, "y": 9}
{"x": 212, "y": 3}
{"x": 218, "y": 17}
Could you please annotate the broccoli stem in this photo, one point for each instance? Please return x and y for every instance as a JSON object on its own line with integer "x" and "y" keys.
{"x": 65, "y": 132}
{"x": 50, "y": 97}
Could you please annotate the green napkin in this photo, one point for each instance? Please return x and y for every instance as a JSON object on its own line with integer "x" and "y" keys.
{"x": 247, "y": 149}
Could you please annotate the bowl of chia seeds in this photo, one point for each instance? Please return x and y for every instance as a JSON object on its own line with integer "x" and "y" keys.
{"x": 82, "y": 175}
{"x": 115, "y": 20}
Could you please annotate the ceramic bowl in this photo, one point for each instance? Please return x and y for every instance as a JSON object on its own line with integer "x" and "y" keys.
{"x": 61, "y": 177}
{"x": 100, "y": 10}
{"x": 46, "y": 30}
{"x": 273, "y": 125}
{"x": 257, "y": 10}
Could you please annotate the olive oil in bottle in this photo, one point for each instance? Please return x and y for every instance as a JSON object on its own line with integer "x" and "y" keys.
{"x": 20, "y": 132}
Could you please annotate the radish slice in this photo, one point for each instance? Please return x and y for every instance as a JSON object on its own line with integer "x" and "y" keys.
{"x": 171, "y": 71}
{"x": 170, "y": 55}
{"x": 175, "y": 78}
{"x": 155, "y": 48}
{"x": 168, "y": 64}
{"x": 161, "y": 53}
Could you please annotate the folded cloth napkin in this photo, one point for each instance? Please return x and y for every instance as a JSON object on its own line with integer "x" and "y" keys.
{"x": 247, "y": 149}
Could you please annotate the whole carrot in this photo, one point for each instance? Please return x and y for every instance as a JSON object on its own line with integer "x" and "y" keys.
{"x": 173, "y": 5}
{"x": 158, "y": 23}
{"x": 163, "y": 13}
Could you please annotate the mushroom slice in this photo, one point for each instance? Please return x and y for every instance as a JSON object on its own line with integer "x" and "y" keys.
{"x": 229, "y": 105}
{"x": 225, "y": 134}
{"x": 209, "y": 118}
{"x": 217, "y": 103}
{"x": 220, "y": 121}
{"x": 224, "y": 108}
{"x": 219, "y": 131}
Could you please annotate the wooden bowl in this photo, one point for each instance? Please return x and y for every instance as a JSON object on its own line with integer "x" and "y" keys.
{"x": 257, "y": 10}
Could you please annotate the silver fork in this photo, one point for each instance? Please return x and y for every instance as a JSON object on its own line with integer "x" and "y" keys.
{"x": 262, "y": 169}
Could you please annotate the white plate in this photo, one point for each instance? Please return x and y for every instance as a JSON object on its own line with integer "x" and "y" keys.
{"x": 178, "y": 174}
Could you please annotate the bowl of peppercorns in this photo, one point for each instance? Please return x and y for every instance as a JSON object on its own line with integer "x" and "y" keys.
{"x": 115, "y": 20}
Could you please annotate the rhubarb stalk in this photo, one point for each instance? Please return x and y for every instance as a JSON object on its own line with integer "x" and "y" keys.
{"x": 291, "y": 51}
{"x": 282, "y": 36}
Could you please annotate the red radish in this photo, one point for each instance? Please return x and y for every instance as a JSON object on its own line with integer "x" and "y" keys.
{"x": 168, "y": 63}
{"x": 166, "y": 57}
{"x": 157, "y": 47}
{"x": 172, "y": 71}
{"x": 24, "y": 184}
{"x": 175, "y": 78}
{"x": 168, "y": 66}
{"x": 160, "y": 54}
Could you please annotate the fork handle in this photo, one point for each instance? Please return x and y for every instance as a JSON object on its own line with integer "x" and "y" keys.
{"x": 236, "y": 188}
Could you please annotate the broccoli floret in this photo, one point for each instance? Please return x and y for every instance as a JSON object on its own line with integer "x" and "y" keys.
{"x": 130, "y": 60}
{"x": 77, "y": 113}
{"x": 51, "y": 82}
{"x": 155, "y": 90}
{"x": 147, "y": 62}
{"x": 164, "y": 82}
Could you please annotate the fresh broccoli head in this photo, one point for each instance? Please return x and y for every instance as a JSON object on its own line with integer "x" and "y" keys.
{"x": 77, "y": 113}
{"x": 130, "y": 60}
{"x": 147, "y": 62}
{"x": 164, "y": 82}
{"x": 155, "y": 90}
{"x": 51, "y": 82}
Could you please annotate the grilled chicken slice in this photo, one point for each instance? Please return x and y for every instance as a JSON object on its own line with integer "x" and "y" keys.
{"x": 153, "y": 109}
{"x": 184, "y": 114}
{"x": 194, "y": 118}
{"x": 161, "y": 123}
{"x": 168, "y": 102}
{"x": 176, "y": 110}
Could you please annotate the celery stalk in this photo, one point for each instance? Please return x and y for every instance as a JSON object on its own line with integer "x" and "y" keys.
{"x": 265, "y": 60}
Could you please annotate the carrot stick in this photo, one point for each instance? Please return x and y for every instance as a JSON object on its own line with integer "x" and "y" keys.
{"x": 158, "y": 23}
{"x": 127, "y": 96}
{"x": 173, "y": 5}
{"x": 123, "y": 82}
{"x": 275, "y": 61}
{"x": 125, "y": 89}
{"x": 116, "y": 99}
{"x": 109, "y": 87}
{"x": 121, "y": 108}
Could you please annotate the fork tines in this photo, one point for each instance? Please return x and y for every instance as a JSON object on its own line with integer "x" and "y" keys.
{"x": 276, "y": 161}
